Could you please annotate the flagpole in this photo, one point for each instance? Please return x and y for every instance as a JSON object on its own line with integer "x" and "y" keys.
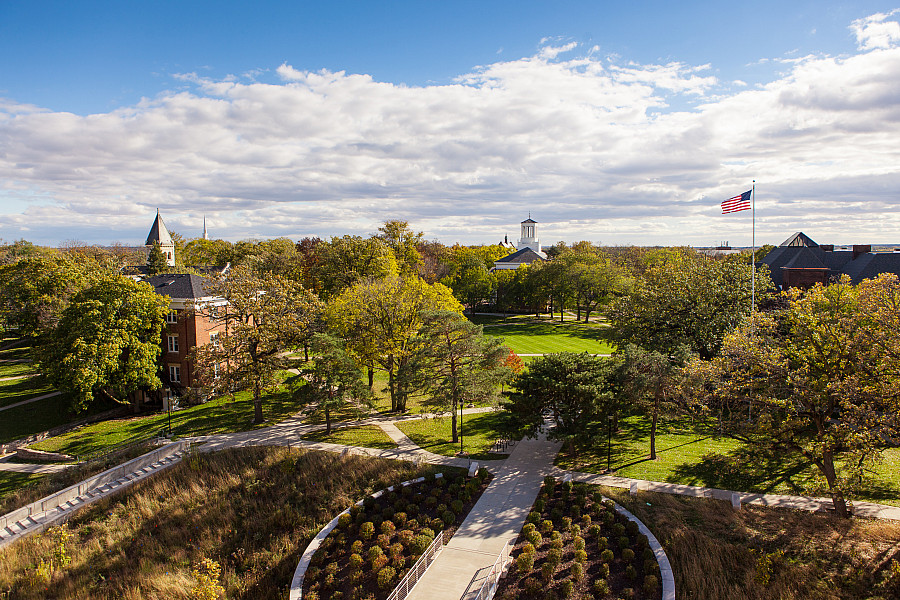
{"x": 753, "y": 255}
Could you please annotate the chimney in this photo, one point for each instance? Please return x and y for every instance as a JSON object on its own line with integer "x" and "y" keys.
{"x": 861, "y": 249}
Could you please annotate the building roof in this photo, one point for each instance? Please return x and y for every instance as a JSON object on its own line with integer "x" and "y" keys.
{"x": 805, "y": 259}
{"x": 159, "y": 233}
{"x": 523, "y": 256}
{"x": 529, "y": 220}
{"x": 180, "y": 285}
{"x": 799, "y": 239}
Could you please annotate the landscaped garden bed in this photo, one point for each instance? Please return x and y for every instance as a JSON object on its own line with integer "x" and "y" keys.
{"x": 376, "y": 542}
{"x": 575, "y": 545}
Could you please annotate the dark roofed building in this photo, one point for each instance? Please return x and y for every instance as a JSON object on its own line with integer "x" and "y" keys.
{"x": 801, "y": 262}
{"x": 525, "y": 256}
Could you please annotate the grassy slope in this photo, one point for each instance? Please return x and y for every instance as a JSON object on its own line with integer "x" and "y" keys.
{"x": 479, "y": 433}
{"x": 253, "y": 510}
{"x": 367, "y": 436}
{"x": 709, "y": 546}
{"x": 691, "y": 454}
{"x": 543, "y": 337}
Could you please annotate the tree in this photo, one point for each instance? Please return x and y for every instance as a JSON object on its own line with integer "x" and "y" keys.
{"x": 575, "y": 387}
{"x": 823, "y": 376}
{"x": 594, "y": 278}
{"x": 469, "y": 278}
{"x": 345, "y": 260}
{"x": 684, "y": 298}
{"x": 463, "y": 365}
{"x": 156, "y": 260}
{"x": 333, "y": 379}
{"x": 107, "y": 341}
{"x": 380, "y": 320}
{"x": 265, "y": 315}
{"x": 404, "y": 242}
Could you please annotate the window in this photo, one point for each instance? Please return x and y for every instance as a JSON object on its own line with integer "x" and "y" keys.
{"x": 172, "y": 316}
{"x": 215, "y": 370}
{"x": 175, "y": 373}
{"x": 173, "y": 343}
{"x": 214, "y": 339}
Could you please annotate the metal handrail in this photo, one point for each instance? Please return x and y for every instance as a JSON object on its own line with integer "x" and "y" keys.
{"x": 489, "y": 587}
{"x": 417, "y": 570}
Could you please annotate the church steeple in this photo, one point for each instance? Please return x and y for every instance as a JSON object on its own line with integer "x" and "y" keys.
{"x": 160, "y": 235}
{"x": 205, "y": 235}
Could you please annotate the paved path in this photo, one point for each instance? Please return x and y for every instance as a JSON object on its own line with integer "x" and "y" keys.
{"x": 42, "y": 469}
{"x": 14, "y": 377}
{"x": 496, "y": 518}
{"x": 30, "y": 400}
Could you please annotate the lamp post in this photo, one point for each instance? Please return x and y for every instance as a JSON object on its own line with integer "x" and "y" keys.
{"x": 608, "y": 442}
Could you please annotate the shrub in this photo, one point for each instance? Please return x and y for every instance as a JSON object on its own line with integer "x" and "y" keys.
{"x": 437, "y": 524}
{"x": 456, "y": 506}
{"x": 387, "y": 514}
{"x": 534, "y": 517}
{"x": 379, "y": 563}
{"x": 550, "y": 483}
{"x": 532, "y": 586}
{"x": 594, "y": 530}
{"x": 547, "y": 570}
{"x": 412, "y": 524}
{"x": 567, "y": 486}
{"x": 386, "y": 577}
{"x": 344, "y": 521}
{"x": 367, "y": 530}
{"x": 356, "y": 562}
{"x": 406, "y": 491}
{"x": 566, "y": 588}
{"x": 483, "y": 474}
{"x": 405, "y": 536}
{"x": 624, "y": 542}
{"x": 566, "y": 523}
{"x": 535, "y": 538}
{"x": 609, "y": 504}
{"x": 374, "y": 552}
{"x": 618, "y": 529}
{"x": 650, "y": 583}
{"x": 603, "y": 571}
{"x": 577, "y": 571}
{"x": 539, "y": 505}
{"x": 575, "y": 530}
{"x": 429, "y": 533}
{"x": 607, "y": 556}
{"x": 600, "y": 587}
{"x": 525, "y": 563}
{"x": 556, "y": 515}
{"x": 412, "y": 510}
{"x": 546, "y": 526}
{"x": 628, "y": 555}
{"x": 580, "y": 556}
{"x": 430, "y": 502}
{"x": 356, "y": 546}
{"x": 650, "y": 566}
{"x": 331, "y": 568}
{"x": 578, "y": 542}
{"x": 376, "y": 520}
{"x": 598, "y": 499}
{"x": 420, "y": 544}
{"x": 586, "y": 521}
{"x": 556, "y": 543}
{"x": 448, "y": 517}
{"x": 608, "y": 518}
{"x": 630, "y": 572}
{"x": 440, "y": 508}
{"x": 368, "y": 502}
{"x": 575, "y": 511}
{"x": 602, "y": 543}
{"x": 628, "y": 593}
{"x": 400, "y": 519}
{"x": 528, "y": 528}
{"x": 528, "y": 548}
{"x": 632, "y": 528}
{"x": 383, "y": 540}
{"x": 643, "y": 541}
{"x": 554, "y": 556}
{"x": 400, "y": 505}
{"x": 648, "y": 554}
{"x": 398, "y": 562}
{"x": 395, "y": 549}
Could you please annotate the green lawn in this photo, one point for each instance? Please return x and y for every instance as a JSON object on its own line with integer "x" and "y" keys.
{"x": 216, "y": 416}
{"x": 15, "y": 369}
{"x": 367, "y": 436}
{"x": 691, "y": 454}
{"x": 17, "y": 390}
{"x": 22, "y": 421}
{"x": 10, "y": 481}
{"x": 479, "y": 432}
{"x": 545, "y": 336}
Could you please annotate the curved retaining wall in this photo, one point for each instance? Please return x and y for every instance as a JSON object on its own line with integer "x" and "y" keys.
{"x": 665, "y": 567}
{"x": 300, "y": 571}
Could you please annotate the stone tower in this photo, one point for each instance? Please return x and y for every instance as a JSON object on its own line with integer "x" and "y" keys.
{"x": 159, "y": 233}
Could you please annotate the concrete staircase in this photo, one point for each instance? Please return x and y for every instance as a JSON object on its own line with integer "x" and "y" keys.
{"x": 60, "y": 506}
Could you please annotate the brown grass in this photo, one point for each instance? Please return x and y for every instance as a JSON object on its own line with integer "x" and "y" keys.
{"x": 711, "y": 549}
{"x": 253, "y": 510}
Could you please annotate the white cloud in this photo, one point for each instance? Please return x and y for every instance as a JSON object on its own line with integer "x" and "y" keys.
{"x": 587, "y": 143}
{"x": 876, "y": 31}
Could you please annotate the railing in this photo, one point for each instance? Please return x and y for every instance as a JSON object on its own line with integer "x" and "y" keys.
{"x": 497, "y": 571}
{"x": 415, "y": 573}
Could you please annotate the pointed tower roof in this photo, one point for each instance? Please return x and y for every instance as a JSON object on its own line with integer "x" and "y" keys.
{"x": 799, "y": 239}
{"x": 159, "y": 233}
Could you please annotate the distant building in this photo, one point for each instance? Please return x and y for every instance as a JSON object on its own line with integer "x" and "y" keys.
{"x": 160, "y": 234}
{"x": 528, "y": 248}
{"x": 801, "y": 262}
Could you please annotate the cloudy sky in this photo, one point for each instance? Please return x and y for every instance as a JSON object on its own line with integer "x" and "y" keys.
{"x": 618, "y": 123}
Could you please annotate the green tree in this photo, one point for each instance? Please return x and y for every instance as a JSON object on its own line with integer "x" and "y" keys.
{"x": 823, "y": 377}
{"x": 107, "y": 341}
{"x": 469, "y": 278}
{"x": 404, "y": 242}
{"x": 684, "y": 298}
{"x": 463, "y": 365}
{"x": 333, "y": 380}
{"x": 575, "y": 387}
{"x": 264, "y": 315}
{"x": 346, "y": 260}
{"x": 156, "y": 260}
{"x": 380, "y": 320}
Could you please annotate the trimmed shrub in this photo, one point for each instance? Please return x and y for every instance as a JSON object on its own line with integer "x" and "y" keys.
{"x": 550, "y": 483}
{"x": 387, "y": 514}
{"x": 539, "y": 505}
{"x": 578, "y": 542}
{"x": 580, "y": 556}
{"x": 356, "y": 546}
{"x": 534, "y": 517}
{"x": 395, "y": 549}
{"x": 528, "y": 548}
{"x": 525, "y": 563}
{"x": 427, "y": 532}
{"x": 420, "y": 544}
{"x": 528, "y": 528}
{"x": 440, "y": 508}
{"x": 456, "y": 506}
{"x": 632, "y": 528}
{"x": 575, "y": 511}
{"x": 344, "y": 521}
{"x": 643, "y": 541}
{"x": 383, "y": 541}
{"x": 607, "y": 556}
{"x": 386, "y": 577}
{"x": 586, "y": 521}
{"x": 556, "y": 515}
{"x": 356, "y": 562}
{"x": 603, "y": 571}
{"x": 547, "y": 570}
{"x": 437, "y": 523}
{"x": 608, "y": 518}
{"x": 331, "y": 568}
{"x": 448, "y": 517}
{"x": 628, "y": 555}
{"x": 379, "y": 563}
{"x": 374, "y": 552}
{"x": 388, "y": 528}
{"x": 577, "y": 571}
{"x": 405, "y": 536}
{"x": 598, "y": 499}
{"x": 566, "y": 523}
{"x": 431, "y": 502}
{"x": 535, "y": 538}
{"x": 532, "y": 586}
{"x": 600, "y": 587}
{"x": 566, "y": 588}
{"x": 398, "y": 562}
{"x": 412, "y": 525}
{"x": 575, "y": 530}
{"x": 367, "y": 530}
{"x": 650, "y": 566}
{"x": 618, "y": 529}
{"x": 567, "y": 486}
{"x": 412, "y": 510}
{"x": 400, "y": 519}
{"x": 648, "y": 554}
{"x": 546, "y": 526}
{"x": 602, "y": 543}
{"x": 556, "y": 543}
{"x": 554, "y": 556}
{"x": 650, "y": 583}
{"x": 630, "y": 572}
{"x": 594, "y": 530}
{"x": 624, "y": 542}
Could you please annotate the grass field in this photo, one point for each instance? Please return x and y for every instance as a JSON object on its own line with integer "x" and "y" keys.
{"x": 17, "y": 390}
{"x": 479, "y": 432}
{"x": 367, "y": 436}
{"x": 216, "y": 416}
{"x": 15, "y": 369}
{"x": 689, "y": 453}
{"x": 530, "y": 336}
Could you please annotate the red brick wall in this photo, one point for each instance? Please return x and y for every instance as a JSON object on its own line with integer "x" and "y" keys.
{"x": 803, "y": 278}
{"x": 193, "y": 330}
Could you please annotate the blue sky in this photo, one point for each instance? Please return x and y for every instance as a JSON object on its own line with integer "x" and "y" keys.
{"x": 613, "y": 122}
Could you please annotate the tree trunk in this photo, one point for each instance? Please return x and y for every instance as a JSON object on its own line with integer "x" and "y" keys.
{"x": 653, "y": 429}
{"x": 305, "y": 352}
{"x": 257, "y": 404}
{"x": 328, "y": 413}
{"x": 453, "y": 422}
{"x": 371, "y": 379}
{"x": 837, "y": 496}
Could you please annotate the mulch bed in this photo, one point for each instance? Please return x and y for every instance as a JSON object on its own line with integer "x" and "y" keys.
{"x": 615, "y": 562}
{"x": 373, "y": 547}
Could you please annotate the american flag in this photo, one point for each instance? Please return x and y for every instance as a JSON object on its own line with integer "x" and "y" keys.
{"x": 736, "y": 204}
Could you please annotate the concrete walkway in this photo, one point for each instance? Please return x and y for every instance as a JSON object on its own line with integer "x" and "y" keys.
{"x": 15, "y": 377}
{"x": 42, "y": 469}
{"x": 30, "y": 400}
{"x": 496, "y": 518}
